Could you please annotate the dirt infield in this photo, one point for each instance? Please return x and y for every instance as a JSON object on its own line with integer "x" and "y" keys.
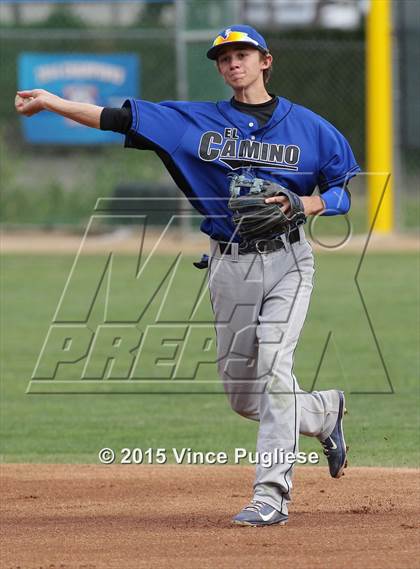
{"x": 95, "y": 517}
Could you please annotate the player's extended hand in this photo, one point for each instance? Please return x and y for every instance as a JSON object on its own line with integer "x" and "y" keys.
{"x": 311, "y": 204}
{"x": 33, "y": 101}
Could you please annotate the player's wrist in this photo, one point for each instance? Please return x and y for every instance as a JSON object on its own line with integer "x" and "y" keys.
{"x": 53, "y": 103}
{"x": 319, "y": 205}
{"x": 313, "y": 205}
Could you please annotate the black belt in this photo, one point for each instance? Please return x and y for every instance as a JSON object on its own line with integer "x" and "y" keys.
{"x": 259, "y": 245}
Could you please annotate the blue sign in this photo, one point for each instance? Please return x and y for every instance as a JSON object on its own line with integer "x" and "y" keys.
{"x": 104, "y": 80}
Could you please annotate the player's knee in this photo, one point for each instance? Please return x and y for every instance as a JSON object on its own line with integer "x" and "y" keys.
{"x": 243, "y": 405}
{"x": 236, "y": 404}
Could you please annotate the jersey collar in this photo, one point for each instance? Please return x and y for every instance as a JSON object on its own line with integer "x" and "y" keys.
{"x": 242, "y": 120}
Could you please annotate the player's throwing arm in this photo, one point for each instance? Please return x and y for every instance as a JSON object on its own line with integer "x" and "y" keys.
{"x": 31, "y": 102}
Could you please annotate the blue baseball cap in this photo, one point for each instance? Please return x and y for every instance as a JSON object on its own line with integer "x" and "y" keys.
{"x": 237, "y": 35}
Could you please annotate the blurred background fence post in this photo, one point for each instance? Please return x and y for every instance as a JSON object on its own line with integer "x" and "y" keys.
{"x": 319, "y": 59}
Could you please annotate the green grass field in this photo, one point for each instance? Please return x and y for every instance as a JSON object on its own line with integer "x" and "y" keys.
{"x": 381, "y": 428}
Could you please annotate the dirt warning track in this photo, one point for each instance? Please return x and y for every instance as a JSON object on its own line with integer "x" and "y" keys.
{"x": 127, "y": 241}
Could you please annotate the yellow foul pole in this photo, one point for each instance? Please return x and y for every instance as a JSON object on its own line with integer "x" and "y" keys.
{"x": 379, "y": 115}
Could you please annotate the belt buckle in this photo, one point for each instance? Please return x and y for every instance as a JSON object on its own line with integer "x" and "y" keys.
{"x": 257, "y": 246}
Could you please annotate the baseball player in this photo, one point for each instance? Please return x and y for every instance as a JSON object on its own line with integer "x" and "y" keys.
{"x": 260, "y": 270}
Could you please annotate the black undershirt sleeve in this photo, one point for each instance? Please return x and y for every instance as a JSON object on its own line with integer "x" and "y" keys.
{"x": 117, "y": 120}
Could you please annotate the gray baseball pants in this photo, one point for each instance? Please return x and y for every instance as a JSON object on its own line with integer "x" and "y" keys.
{"x": 260, "y": 302}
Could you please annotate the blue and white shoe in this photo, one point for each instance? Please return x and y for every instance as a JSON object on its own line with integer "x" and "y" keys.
{"x": 335, "y": 448}
{"x": 259, "y": 514}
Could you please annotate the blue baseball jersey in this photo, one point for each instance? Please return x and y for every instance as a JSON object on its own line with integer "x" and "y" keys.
{"x": 202, "y": 142}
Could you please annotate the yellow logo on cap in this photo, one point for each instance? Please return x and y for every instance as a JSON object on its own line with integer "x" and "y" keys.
{"x": 230, "y": 36}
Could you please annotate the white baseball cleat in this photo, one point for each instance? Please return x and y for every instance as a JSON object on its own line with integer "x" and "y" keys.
{"x": 259, "y": 514}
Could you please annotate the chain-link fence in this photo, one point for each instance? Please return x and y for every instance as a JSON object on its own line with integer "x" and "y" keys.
{"x": 407, "y": 109}
{"x": 321, "y": 68}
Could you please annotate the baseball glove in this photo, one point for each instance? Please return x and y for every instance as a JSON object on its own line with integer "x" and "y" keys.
{"x": 256, "y": 219}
